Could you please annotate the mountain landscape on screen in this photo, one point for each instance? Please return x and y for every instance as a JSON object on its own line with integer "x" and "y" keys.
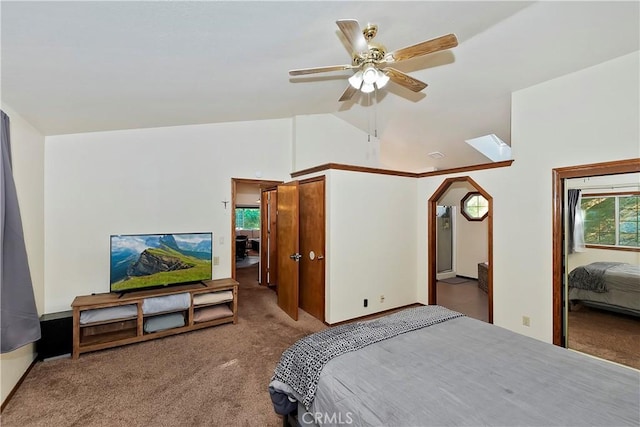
{"x": 152, "y": 260}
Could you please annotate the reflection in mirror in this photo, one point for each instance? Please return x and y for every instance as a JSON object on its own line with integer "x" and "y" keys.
{"x": 603, "y": 266}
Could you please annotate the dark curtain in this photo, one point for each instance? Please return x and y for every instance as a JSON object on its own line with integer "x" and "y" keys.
{"x": 572, "y": 200}
{"x": 19, "y": 324}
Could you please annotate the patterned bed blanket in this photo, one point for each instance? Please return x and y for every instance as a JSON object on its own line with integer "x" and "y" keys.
{"x": 591, "y": 276}
{"x": 301, "y": 364}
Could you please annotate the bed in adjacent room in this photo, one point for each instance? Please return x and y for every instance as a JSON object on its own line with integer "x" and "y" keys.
{"x": 611, "y": 286}
{"x": 430, "y": 366}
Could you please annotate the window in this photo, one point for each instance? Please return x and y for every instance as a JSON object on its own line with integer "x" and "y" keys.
{"x": 475, "y": 207}
{"x": 247, "y": 218}
{"x": 611, "y": 220}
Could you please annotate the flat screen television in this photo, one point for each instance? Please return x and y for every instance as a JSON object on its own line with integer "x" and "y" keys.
{"x": 144, "y": 261}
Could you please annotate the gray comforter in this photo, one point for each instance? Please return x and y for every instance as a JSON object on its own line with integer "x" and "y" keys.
{"x": 621, "y": 283}
{"x": 591, "y": 276}
{"x": 464, "y": 372}
{"x": 300, "y": 365}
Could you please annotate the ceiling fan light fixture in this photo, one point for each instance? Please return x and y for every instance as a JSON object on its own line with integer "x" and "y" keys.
{"x": 369, "y": 74}
{"x": 356, "y": 80}
{"x": 368, "y": 79}
{"x": 383, "y": 79}
{"x": 367, "y": 87}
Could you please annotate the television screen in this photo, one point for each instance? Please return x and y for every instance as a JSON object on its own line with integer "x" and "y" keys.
{"x": 143, "y": 261}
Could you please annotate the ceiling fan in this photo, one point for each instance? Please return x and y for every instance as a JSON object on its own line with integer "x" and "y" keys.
{"x": 372, "y": 61}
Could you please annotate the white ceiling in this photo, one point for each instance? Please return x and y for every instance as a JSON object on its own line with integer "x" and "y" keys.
{"x": 70, "y": 67}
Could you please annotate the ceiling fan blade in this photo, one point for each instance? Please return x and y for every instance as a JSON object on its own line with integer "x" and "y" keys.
{"x": 351, "y": 30}
{"x": 404, "y": 80}
{"x": 348, "y": 93}
{"x": 423, "y": 48}
{"x": 304, "y": 71}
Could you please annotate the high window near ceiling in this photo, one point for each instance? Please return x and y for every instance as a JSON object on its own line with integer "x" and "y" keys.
{"x": 612, "y": 220}
{"x": 474, "y": 206}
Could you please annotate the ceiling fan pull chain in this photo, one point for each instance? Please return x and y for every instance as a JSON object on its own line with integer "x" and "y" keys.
{"x": 375, "y": 113}
{"x": 369, "y": 118}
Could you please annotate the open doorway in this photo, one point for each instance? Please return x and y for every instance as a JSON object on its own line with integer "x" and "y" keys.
{"x": 249, "y": 225}
{"x": 470, "y": 287}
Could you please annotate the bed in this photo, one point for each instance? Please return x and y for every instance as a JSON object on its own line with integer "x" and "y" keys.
{"x": 611, "y": 286}
{"x": 447, "y": 370}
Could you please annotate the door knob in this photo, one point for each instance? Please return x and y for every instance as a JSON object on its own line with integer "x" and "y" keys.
{"x": 320, "y": 257}
{"x": 296, "y": 257}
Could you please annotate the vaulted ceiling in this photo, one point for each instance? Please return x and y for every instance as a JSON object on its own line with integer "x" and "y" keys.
{"x": 70, "y": 67}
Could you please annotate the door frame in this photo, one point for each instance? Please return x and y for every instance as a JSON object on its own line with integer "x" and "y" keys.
{"x": 431, "y": 239}
{"x": 559, "y": 175}
{"x": 234, "y": 181}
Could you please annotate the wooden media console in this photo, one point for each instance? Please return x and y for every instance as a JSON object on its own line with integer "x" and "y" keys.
{"x": 209, "y": 303}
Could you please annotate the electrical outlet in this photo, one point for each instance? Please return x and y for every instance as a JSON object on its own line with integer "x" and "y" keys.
{"x": 216, "y": 260}
{"x": 381, "y": 298}
{"x": 526, "y": 321}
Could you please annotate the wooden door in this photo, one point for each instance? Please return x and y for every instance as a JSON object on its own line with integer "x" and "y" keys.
{"x": 312, "y": 241}
{"x": 268, "y": 246}
{"x": 288, "y": 248}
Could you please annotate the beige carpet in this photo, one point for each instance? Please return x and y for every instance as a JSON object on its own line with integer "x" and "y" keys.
{"x": 213, "y": 377}
{"x": 605, "y": 334}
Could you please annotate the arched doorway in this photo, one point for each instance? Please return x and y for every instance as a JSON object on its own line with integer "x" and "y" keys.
{"x": 431, "y": 239}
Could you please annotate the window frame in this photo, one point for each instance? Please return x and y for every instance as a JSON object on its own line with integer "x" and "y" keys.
{"x": 463, "y": 206}
{"x": 616, "y": 196}
{"x": 242, "y": 207}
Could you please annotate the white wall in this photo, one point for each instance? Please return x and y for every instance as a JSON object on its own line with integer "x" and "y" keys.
{"x": 27, "y": 148}
{"x": 174, "y": 180}
{"x": 370, "y": 244}
{"x": 590, "y": 116}
{"x": 597, "y": 255}
{"x": 248, "y": 194}
{"x": 324, "y": 138}
{"x": 472, "y": 245}
{"x": 159, "y": 180}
